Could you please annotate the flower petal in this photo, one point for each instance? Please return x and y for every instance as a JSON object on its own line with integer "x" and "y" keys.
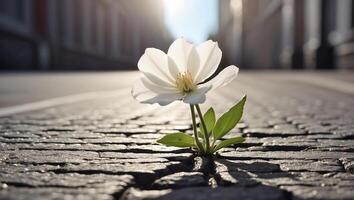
{"x": 140, "y": 92}
{"x": 198, "y": 96}
{"x": 210, "y": 56}
{"x": 156, "y": 80}
{"x": 157, "y": 88}
{"x": 172, "y": 67}
{"x": 223, "y": 78}
{"x": 193, "y": 62}
{"x": 179, "y": 51}
{"x": 164, "y": 99}
{"x": 145, "y": 95}
{"x": 155, "y": 62}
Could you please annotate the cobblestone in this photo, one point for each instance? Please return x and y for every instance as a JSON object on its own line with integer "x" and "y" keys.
{"x": 299, "y": 145}
{"x": 180, "y": 180}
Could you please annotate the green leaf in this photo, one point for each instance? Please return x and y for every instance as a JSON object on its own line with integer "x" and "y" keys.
{"x": 228, "y": 142}
{"x": 200, "y": 134}
{"x": 229, "y": 119}
{"x": 177, "y": 140}
{"x": 209, "y": 120}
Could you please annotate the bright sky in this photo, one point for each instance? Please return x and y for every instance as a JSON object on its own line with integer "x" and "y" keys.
{"x": 194, "y": 20}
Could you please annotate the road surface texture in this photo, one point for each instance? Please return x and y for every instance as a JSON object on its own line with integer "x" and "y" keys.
{"x": 299, "y": 130}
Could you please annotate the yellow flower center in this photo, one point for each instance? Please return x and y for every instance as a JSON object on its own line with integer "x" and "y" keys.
{"x": 184, "y": 82}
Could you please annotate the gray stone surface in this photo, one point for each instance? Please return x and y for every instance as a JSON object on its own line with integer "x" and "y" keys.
{"x": 181, "y": 180}
{"x": 299, "y": 145}
{"x": 200, "y": 193}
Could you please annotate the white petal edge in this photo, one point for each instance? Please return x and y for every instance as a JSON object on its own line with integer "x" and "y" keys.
{"x": 144, "y": 95}
{"x": 210, "y": 56}
{"x": 164, "y": 99}
{"x": 198, "y": 96}
{"x": 140, "y": 92}
{"x": 155, "y": 62}
{"x": 179, "y": 51}
{"x": 223, "y": 78}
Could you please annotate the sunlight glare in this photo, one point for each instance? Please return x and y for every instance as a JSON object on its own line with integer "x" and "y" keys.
{"x": 175, "y": 5}
{"x": 194, "y": 20}
{"x": 236, "y": 7}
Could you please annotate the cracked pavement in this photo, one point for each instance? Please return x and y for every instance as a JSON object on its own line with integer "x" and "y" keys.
{"x": 299, "y": 144}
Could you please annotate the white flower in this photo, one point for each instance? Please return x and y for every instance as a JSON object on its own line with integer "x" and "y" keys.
{"x": 179, "y": 75}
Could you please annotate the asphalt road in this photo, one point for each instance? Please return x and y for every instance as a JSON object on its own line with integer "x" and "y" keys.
{"x": 21, "y": 88}
{"x": 28, "y": 87}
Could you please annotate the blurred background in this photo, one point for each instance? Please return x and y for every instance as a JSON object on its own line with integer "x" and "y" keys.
{"x": 112, "y": 34}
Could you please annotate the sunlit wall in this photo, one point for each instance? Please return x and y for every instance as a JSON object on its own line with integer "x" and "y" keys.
{"x": 80, "y": 34}
{"x": 287, "y": 34}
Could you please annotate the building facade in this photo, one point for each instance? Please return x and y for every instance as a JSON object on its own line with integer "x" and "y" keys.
{"x": 80, "y": 34}
{"x": 290, "y": 34}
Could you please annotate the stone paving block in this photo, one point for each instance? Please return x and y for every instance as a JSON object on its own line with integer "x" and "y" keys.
{"x": 63, "y": 186}
{"x": 69, "y": 180}
{"x": 43, "y": 140}
{"x": 144, "y": 173}
{"x": 181, "y": 180}
{"x": 237, "y": 178}
{"x": 118, "y": 140}
{"x": 23, "y": 168}
{"x": 322, "y": 166}
{"x": 52, "y": 193}
{"x": 328, "y": 193}
{"x": 64, "y": 147}
{"x": 49, "y": 157}
{"x": 155, "y": 148}
{"x": 280, "y": 155}
{"x": 272, "y": 132}
{"x": 126, "y": 130}
{"x": 183, "y": 157}
{"x": 200, "y": 193}
{"x": 154, "y": 136}
{"x": 224, "y": 165}
{"x": 348, "y": 164}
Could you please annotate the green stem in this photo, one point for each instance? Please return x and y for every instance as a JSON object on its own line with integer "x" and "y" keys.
{"x": 206, "y": 134}
{"x": 213, "y": 144}
{"x": 199, "y": 145}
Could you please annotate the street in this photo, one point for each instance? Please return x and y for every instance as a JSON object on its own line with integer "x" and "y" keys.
{"x": 27, "y": 87}
{"x": 82, "y": 136}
